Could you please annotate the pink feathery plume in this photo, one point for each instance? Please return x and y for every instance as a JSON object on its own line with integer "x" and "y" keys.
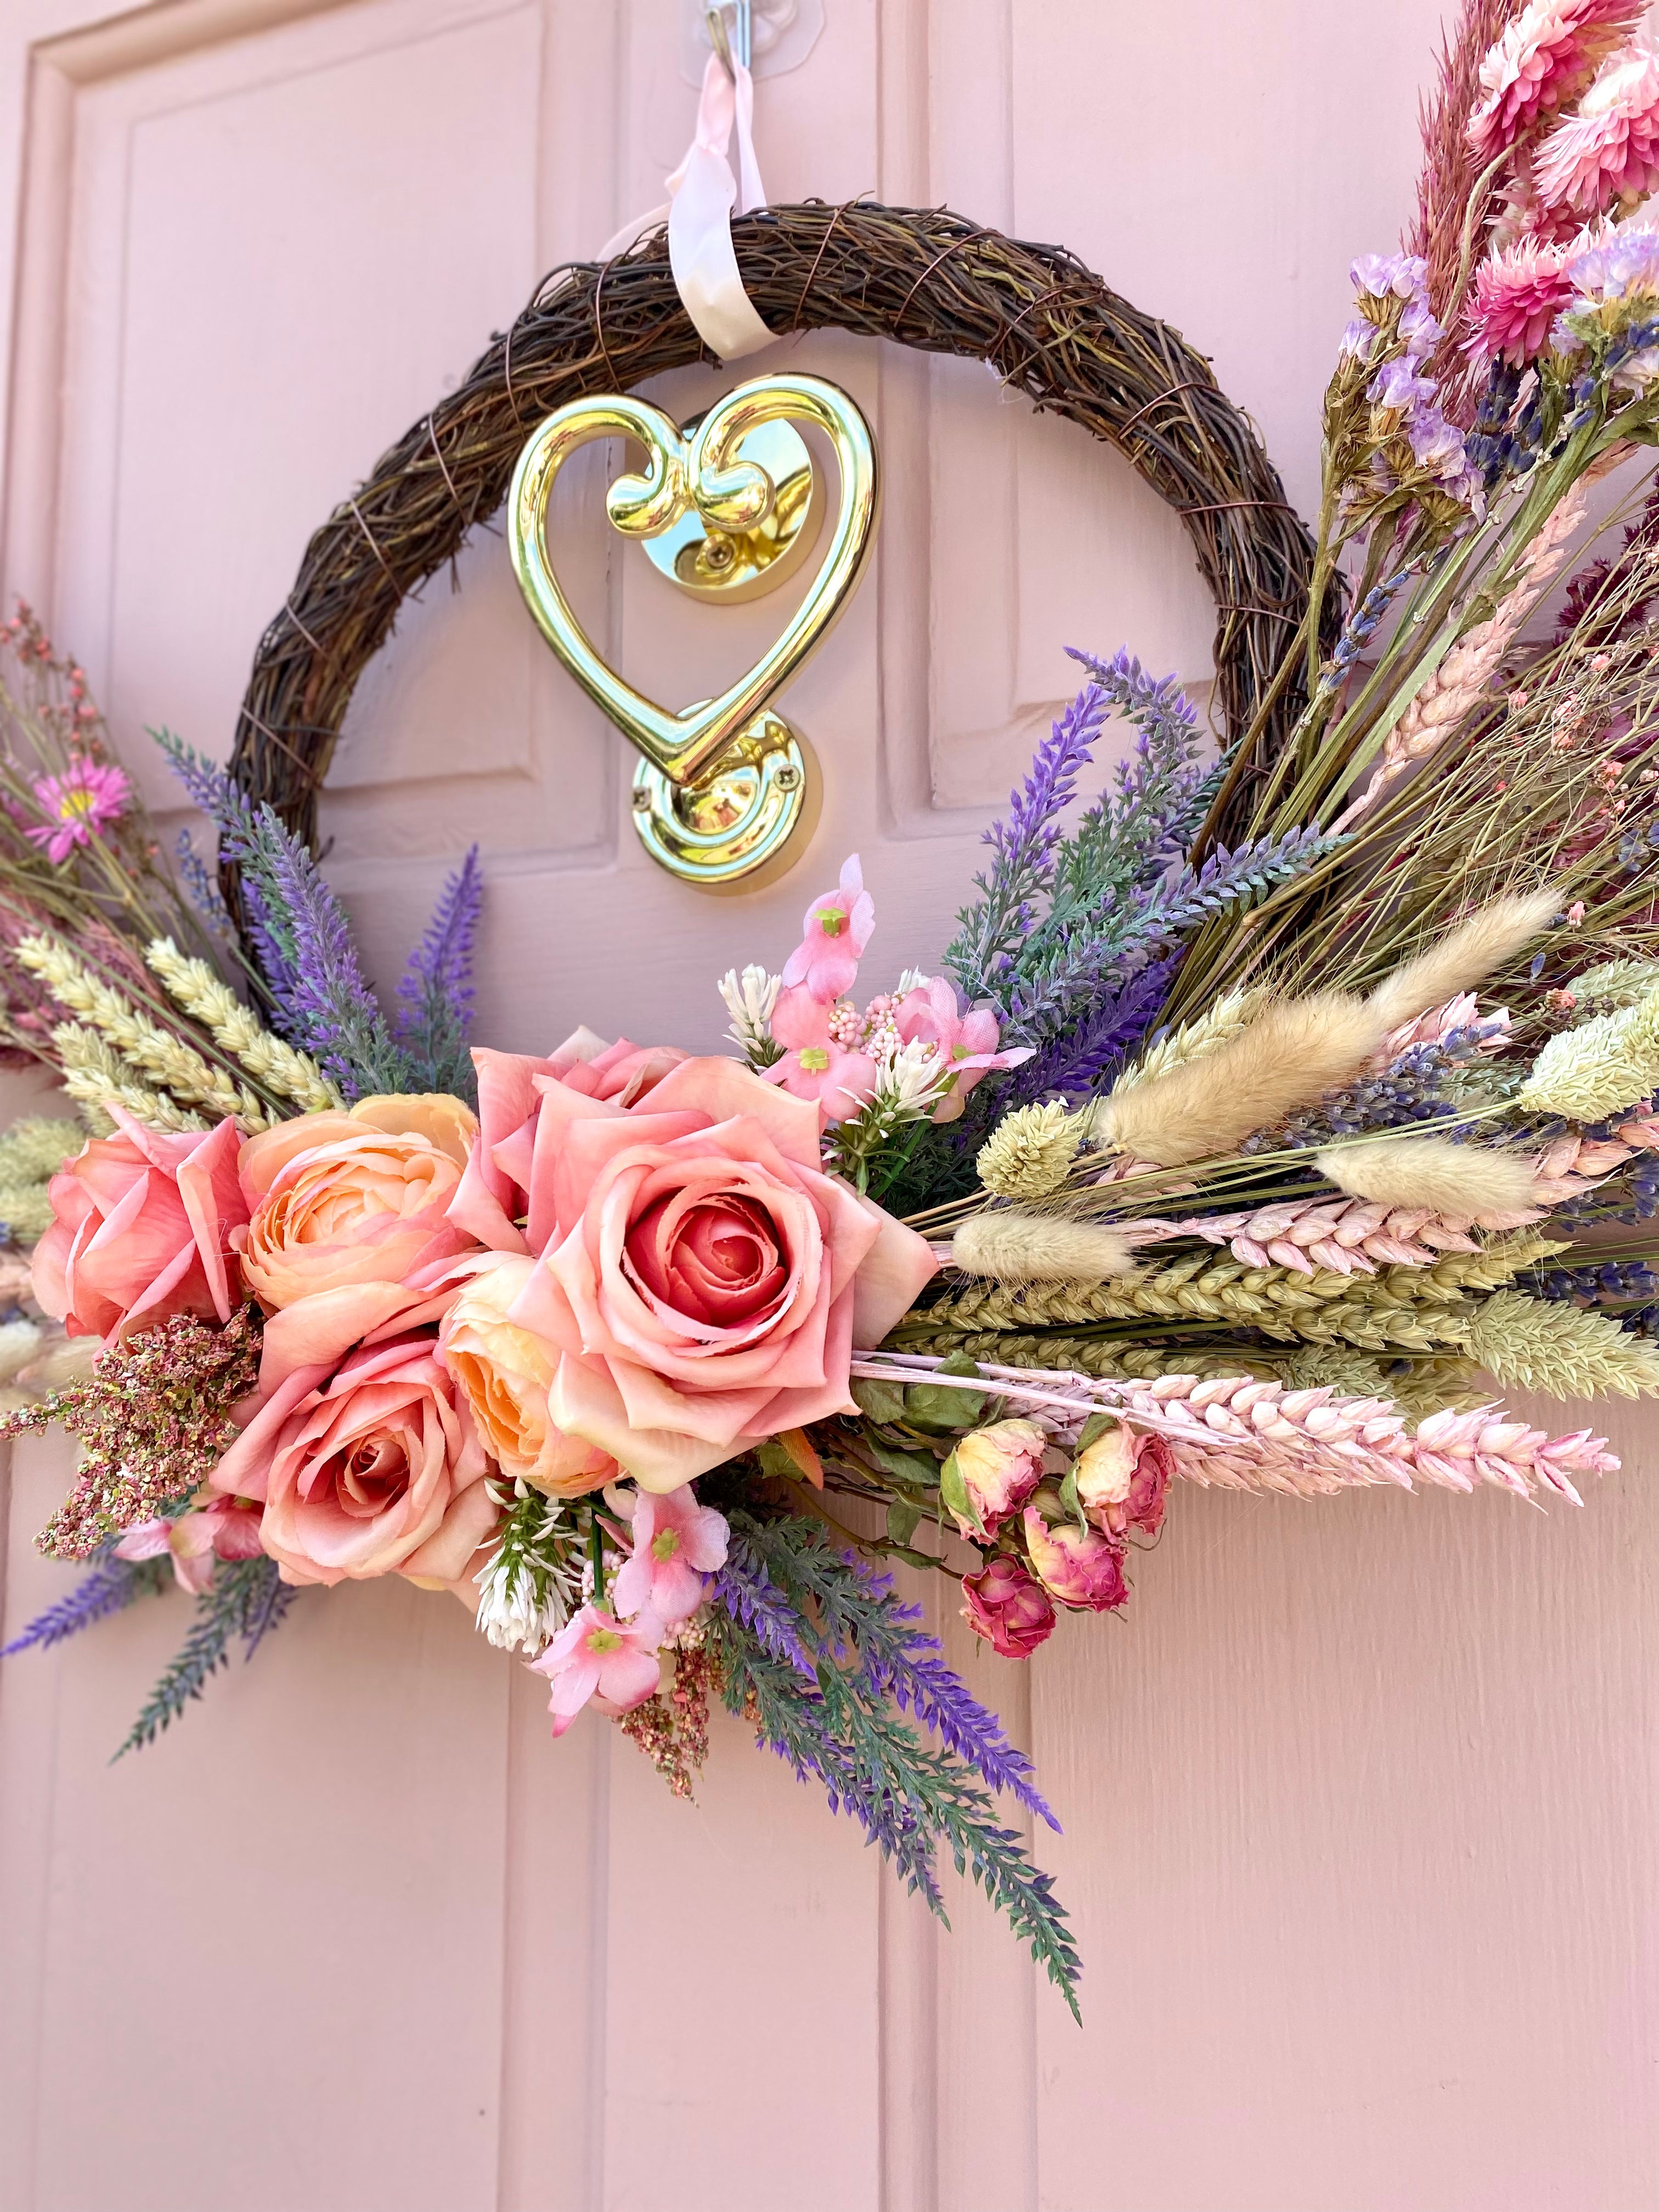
{"x": 1539, "y": 65}
{"x": 1606, "y": 155}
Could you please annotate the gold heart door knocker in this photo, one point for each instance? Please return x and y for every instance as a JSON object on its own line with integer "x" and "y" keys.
{"x": 726, "y": 791}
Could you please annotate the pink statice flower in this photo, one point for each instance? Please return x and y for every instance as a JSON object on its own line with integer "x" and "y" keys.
{"x": 1607, "y": 153}
{"x": 1518, "y": 293}
{"x": 78, "y": 804}
{"x": 596, "y": 1658}
{"x": 814, "y": 1065}
{"x": 834, "y": 932}
{"x": 228, "y": 1529}
{"x": 1543, "y": 62}
{"x": 677, "y": 1545}
{"x": 967, "y": 1043}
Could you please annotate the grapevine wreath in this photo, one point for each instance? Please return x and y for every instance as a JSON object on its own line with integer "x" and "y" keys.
{"x": 1281, "y": 1098}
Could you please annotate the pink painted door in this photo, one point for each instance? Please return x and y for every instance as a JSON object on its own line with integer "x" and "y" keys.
{"x": 1360, "y": 1800}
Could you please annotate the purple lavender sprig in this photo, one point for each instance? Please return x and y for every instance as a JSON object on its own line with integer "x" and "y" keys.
{"x": 747, "y": 1591}
{"x": 111, "y": 1587}
{"x": 436, "y": 993}
{"x": 991, "y": 930}
{"x": 1085, "y": 1056}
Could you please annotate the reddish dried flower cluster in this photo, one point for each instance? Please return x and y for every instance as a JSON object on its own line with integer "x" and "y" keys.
{"x": 152, "y": 1421}
{"x": 671, "y": 1728}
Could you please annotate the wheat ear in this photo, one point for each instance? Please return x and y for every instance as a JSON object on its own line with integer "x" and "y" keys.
{"x": 210, "y": 1001}
{"x": 95, "y": 1074}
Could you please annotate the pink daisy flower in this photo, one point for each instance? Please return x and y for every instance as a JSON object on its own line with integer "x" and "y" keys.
{"x": 1544, "y": 60}
{"x": 80, "y": 804}
{"x": 1608, "y": 152}
{"x": 1517, "y": 295}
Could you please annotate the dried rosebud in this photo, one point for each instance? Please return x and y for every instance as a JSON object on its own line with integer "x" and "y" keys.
{"x": 991, "y": 1474}
{"x": 1122, "y": 1480}
{"x": 1079, "y": 1566}
{"x": 1007, "y": 1608}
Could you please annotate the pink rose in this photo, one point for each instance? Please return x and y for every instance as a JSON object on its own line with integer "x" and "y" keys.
{"x": 991, "y": 1473}
{"x": 356, "y": 1197}
{"x": 367, "y": 1468}
{"x": 143, "y": 1230}
{"x": 1122, "y": 1479}
{"x": 1079, "y": 1566}
{"x": 505, "y": 1373}
{"x": 704, "y": 1280}
{"x": 493, "y": 1201}
{"x": 1007, "y": 1608}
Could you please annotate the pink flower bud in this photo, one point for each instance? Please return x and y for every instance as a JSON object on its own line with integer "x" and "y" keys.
{"x": 991, "y": 1474}
{"x": 1007, "y": 1608}
{"x": 1122, "y": 1479}
{"x": 1079, "y": 1566}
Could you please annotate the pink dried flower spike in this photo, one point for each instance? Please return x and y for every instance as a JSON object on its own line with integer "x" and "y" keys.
{"x": 1546, "y": 58}
{"x": 1607, "y": 153}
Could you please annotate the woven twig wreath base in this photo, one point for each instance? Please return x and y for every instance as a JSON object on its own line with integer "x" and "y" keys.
{"x": 922, "y": 278}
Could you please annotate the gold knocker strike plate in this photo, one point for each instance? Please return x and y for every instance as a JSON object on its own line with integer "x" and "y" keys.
{"x": 727, "y": 790}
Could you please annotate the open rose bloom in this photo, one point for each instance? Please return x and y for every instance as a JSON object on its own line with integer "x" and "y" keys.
{"x": 700, "y": 1281}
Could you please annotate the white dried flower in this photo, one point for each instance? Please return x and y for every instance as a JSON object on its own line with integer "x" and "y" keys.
{"x": 749, "y": 999}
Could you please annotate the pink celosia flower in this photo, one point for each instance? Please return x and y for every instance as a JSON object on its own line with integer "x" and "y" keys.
{"x": 815, "y": 1066}
{"x": 85, "y": 800}
{"x": 598, "y": 1657}
{"x": 1547, "y": 57}
{"x": 1012, "y": 1613}
{"x": 677, "y": 1544}
{"x": 834, "y": 932}
{"x": 1078, "y": 1566}
{"x": 1517, "y": 294}
{"x": 228, "y": 1529}
{"x": 1607, "y": 153}
{"x": 966, "y": 1043}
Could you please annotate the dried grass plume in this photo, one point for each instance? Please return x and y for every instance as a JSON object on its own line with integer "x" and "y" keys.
{"x": 1471, "y": 1182}
{"x": 1487, "y": 940}
{"x": 1040, "y": 1248}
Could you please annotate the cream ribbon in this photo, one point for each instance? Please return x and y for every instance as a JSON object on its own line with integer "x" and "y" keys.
{"x": 703, "y": 194}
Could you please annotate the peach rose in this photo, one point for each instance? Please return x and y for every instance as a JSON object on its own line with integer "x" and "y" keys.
{"x": 355, "y": 1197}
{"x": 505, "y": 1374}
{"x": 703, "y": 1280}
{"x": 493, "y": 1198}
{"x": 373, "y": 1469}
{"x": 143, "y": 1230}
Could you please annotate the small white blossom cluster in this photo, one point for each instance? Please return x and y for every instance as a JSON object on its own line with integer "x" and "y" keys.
{"x": 526, "y": 1587}
{"x": 749, "y": 999}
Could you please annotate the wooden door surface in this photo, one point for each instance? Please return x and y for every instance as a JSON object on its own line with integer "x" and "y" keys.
{"x": 1359, "y": 1798}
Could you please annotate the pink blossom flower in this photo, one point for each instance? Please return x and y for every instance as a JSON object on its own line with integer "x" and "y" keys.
{"x": 966, "y": 1043}
{"x": 228, "y": 1529}
{"x": 1546, "y": 58}
{"x": 1007, "y": 1608}
{"x": 815, "y": 1066}
{"x": 1608, "y": 152}
{"x": 598, "y": 1657}
{"x": 677, "y": 1544}
{"x": 85, "y": 800}
{"x": 834, "y": 932}
{"x": 1079, "y": 1566}
{"x": 1518, "y": 293}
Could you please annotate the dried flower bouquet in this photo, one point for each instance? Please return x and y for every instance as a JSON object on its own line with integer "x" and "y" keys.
{"x": 1268, "y": 1105}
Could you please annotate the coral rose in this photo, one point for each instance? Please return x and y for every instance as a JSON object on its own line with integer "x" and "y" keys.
{"x": 505, "y": 1373}
{"x": 142, "y": 1228}
{"x": 356, "y": 1197}
{"x": 373, "y": 1469}
{"x": 494, "y": 1199}
{"x": 702, "y": 1277}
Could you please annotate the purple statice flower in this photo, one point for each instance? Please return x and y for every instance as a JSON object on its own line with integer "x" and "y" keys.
{"x": 436, "y": 995}
{"x": 1399, "y": 385}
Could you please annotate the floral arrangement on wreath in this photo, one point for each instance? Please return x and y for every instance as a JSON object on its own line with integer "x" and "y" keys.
{"x": 1232, "y": 1166}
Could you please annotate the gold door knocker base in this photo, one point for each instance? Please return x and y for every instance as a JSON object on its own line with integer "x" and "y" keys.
{"x": 727, "y": 792}
{"x": 746, "y": 823}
